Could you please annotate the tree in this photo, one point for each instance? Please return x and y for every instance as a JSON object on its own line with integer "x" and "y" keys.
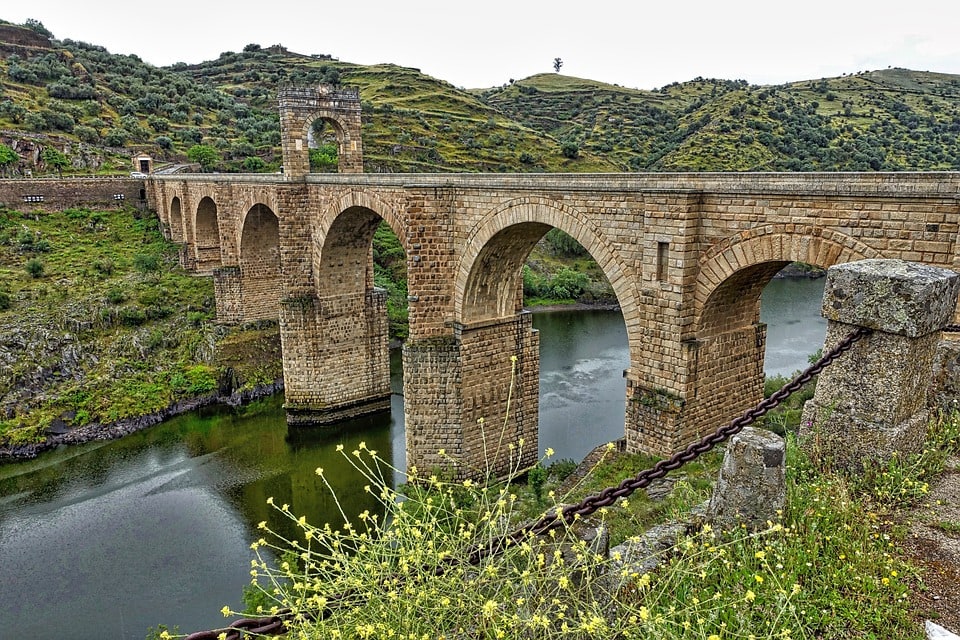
{"x": 8, "y": 158}
{"x": 53, "y": 158}
{"x": 37, "y": 26}
{"x": 206, "y": 155}
{"x": 557, "y": 63}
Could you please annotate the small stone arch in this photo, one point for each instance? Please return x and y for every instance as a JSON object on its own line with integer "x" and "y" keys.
{"x": 207, "y": 235}
{"x": 176, "y": 220}
{"x": 260, "y": 265}
{"x": 300, "y": 107}
{"x": 733, "y": 272}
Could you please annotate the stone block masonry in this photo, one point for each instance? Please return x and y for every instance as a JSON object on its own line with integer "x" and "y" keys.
{"x": 49, "y": 194}
{"x": 687, "y": 256}
{"x": 873, "y": 402}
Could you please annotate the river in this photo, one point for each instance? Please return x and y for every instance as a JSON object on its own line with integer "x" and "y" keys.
{"x": 107, "y": 539}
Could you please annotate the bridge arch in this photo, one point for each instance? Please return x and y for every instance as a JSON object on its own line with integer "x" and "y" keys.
{"x": 260, "y": 266}
{"x": 489, "y": 273}
{"x": 734, "y": 272}
{"x": 176, "y": 220}
{"x": 342, "y": 242}
{"x": 498, "y": 348}
{"x": 726, "y": 344}
{"x": 206, "y": 230}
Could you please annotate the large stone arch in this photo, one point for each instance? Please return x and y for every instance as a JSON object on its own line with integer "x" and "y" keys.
{"x": 207, "y": 241}
{"x": 733, "y": 272}
{"x": 726, "y": 343}
{"x": 489, "y": 280}
{"x": 176, "y": 220}
{"x": 260, "y": 266}
{"x": 343, "y": 236}
{"x": 489, "y": 396}
{"x": 300, "y": 108}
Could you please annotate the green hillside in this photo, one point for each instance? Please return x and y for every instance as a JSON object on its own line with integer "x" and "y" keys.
{"x": 99, "y": 108}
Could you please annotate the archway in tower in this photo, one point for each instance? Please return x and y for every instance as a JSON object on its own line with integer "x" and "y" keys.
{"x": 323, "y": 144}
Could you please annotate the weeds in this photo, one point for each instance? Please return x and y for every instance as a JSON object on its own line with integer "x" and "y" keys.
{"x": 827, "y": 568}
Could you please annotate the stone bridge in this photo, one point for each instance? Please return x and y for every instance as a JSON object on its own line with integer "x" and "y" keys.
{"x": 687, "y": 255}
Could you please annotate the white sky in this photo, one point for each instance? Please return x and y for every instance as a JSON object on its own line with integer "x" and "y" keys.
{"x": 642, "y": 44}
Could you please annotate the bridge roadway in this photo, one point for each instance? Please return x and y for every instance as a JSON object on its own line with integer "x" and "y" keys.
{"x": 686, "y": 254}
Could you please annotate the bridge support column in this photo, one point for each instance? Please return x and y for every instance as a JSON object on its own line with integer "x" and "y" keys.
{"x": 227, "y": 293}
{"x": 336, "y": 359}
{"x": 722, "y": 376}
{"x": 471, "y": 399}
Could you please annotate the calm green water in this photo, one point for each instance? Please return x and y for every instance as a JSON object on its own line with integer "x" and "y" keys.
{"x": 107, "y": 539}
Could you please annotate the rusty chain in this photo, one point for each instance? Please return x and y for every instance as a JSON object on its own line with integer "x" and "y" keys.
{"x": 275, "y": 625}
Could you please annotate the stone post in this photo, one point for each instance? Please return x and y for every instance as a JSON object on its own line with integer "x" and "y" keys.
{"x": 872, "y": 401}
{"x": 752, "y": 483}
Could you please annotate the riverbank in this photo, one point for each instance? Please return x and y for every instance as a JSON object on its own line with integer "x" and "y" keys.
{"x": 94, "y": 431}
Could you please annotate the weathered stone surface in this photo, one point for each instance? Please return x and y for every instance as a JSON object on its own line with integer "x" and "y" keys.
{"x": 893, "y": 296}
{"x": 752, "y": 486}
{"x": 945, "y": 380}
{"x": 873, "y": 401}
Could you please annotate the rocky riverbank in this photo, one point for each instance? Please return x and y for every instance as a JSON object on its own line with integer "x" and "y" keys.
{"x": 96, "y": 431}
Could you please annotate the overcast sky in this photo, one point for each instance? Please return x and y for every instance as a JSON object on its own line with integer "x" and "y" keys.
{"x": 642, "y": 44}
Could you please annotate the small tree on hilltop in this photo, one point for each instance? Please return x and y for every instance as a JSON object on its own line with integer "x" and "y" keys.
{"x": 557, "y": 63}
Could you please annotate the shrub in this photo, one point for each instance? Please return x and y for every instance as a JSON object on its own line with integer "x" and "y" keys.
{"x": 115, "y": 295}
{"x": 145, "y": 263}
{"x": 132, "y": 316}
{"x": 35, "y": 268}
{"x": 5, "y": 302}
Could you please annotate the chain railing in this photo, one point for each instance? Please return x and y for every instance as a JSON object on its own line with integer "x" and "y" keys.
{"x": 276, "y": 625}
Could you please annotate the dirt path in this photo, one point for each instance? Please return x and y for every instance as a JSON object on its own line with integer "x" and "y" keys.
{"x": 934, "y": 545}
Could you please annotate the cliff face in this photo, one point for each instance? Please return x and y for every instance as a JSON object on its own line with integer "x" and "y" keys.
{"x": 14, "y": 37}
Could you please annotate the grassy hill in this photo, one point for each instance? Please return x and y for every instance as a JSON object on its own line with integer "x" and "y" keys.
{"x": 99, "y": 108}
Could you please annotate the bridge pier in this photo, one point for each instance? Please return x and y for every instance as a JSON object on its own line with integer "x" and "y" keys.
{"x": 227, "y": 292}
{"x": 336, "y": 360}
{"x": 472, "y": 398}
{"x": 720, "y": 376}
